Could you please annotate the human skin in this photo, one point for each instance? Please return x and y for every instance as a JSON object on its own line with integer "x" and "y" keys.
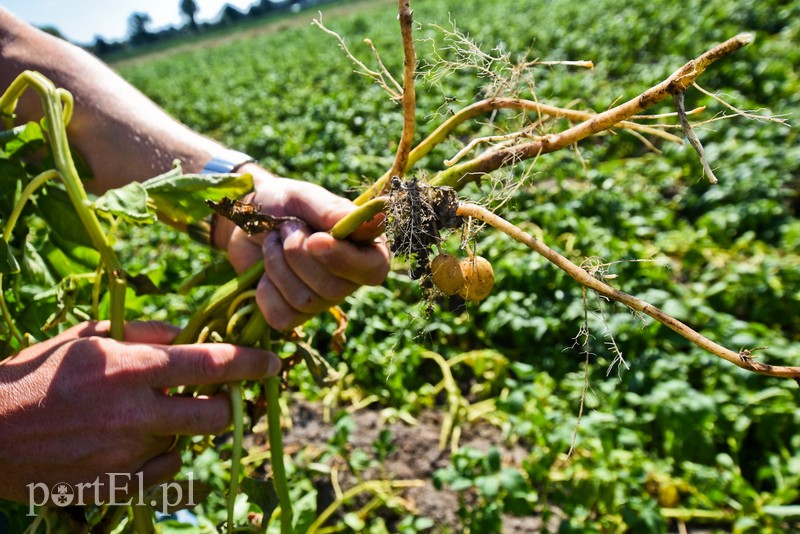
{"x": 81, "y": 405}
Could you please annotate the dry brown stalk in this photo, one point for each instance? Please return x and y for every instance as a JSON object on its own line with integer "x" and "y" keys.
{"x": 409, "y": 92}
{"x": 678, "y": 82}
{"x": 742, "y": 358}
{"x": 484, "y": 107}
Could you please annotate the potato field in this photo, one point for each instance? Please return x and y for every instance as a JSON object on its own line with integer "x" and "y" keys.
{"x": 545, "y": 407}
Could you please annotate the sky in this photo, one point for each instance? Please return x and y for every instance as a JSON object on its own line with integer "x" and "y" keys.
{"x": 81, "y": 21}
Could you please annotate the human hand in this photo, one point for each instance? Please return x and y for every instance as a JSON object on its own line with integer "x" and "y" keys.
{"x": 81, "y": 405}
{"x": 306, "y": 270}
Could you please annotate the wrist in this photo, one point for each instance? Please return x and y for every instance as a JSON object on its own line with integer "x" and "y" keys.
{"x": 227, "y": 161}
{"x": 224, "y": 161}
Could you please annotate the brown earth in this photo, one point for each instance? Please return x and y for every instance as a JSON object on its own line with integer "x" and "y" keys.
{"x": 416, "y": 456}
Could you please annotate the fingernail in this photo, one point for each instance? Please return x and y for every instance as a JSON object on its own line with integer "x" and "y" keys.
{"x": 273, "y": 365}
{"x": 319, "y": 248}
{"x": 290, "y": 227}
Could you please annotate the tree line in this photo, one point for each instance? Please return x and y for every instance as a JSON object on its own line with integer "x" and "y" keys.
{"x": 139, "y": 33}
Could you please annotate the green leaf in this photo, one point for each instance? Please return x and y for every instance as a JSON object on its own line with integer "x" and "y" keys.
{"x": 25, "y": 137}
{"x": 261, "y": 493}
{"x": 128, "y": 202}
{"x": 8, "y": 263}
{"x": 488, "y": 486}
{"x": 784, "y": 512}
{"x": 57, "y": 211}
{"x": 353, "y": 521}
{"x": 513, "y": 481}
{"x": 180, "y": 198}
{"x": 493, "y": 460}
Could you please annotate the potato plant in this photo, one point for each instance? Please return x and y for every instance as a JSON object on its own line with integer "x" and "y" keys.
{"x": 425, "y": 208}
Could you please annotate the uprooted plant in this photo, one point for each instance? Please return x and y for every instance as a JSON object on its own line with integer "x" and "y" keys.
{"x": 422, "y": 208}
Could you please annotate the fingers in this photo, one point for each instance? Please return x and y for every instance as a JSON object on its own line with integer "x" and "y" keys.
{"x": 201, "y": 364}
{"x": 361, "y": 264}
{"x": 150, "y": 332}
{"x": 160, "y": 469}
{"x": 305, "y": 283}
{"x": 276, "y": 310}
{"x": 309, "y": 273}
{"x": 194, "y": 416}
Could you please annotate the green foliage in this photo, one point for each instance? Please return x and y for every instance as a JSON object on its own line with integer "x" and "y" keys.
{"x": 667, "y": 434}
{"x": 669, "y": 427}
{"x": 490, "y": 489}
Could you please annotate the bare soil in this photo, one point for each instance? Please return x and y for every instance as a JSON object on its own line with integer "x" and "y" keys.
{"x": 416, "y": 456}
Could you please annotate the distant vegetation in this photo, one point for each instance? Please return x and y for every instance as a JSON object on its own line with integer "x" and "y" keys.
{"x": 140, "y": 37}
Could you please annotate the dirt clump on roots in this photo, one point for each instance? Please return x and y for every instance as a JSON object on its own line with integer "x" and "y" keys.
{"x": 416, "y": 218}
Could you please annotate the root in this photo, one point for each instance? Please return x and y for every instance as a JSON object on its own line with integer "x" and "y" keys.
{"x": 417, "y": 215}
{"x": 742, "y": 358}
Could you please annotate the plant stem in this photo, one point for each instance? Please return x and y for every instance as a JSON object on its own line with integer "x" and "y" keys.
{"x": 741, "y": 359}
{"x": 142, "y": 519}
{"x": 220, "y": 298}
{"x": 489, "y": 105}
{"x": 409, "y": 102}
{"x": 57, "y": 105}
{"x": 491, "y": 160}
{"x": 409, "y": 91}
{"x": 237, "y": 408}
{"x": 8, "y": 229}
{"x": 272, "y": 389}
{"x": 378, "y": 487}
{"x": 353, "y": 220}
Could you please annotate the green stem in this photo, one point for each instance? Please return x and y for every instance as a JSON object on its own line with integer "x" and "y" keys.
{"x": 26, "y": 194}
{"x": 220, "y": 298}
{"x": 142, "y": 519}
{"x": 272, "y": 387}
{"x": 237, "y": 406}
{"x": 381, "y": 488}
{"x": 7, "y": 315}
{"x": 253, "y": 331}
{"x": 350, "y": 222}
{"x": 8, "y": 229}
{"x": 56, "y": 104}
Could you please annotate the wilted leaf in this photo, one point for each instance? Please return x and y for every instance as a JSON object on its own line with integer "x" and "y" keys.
{"x": 128, "y": 202}
{"x": 324, "y": 375}
{"x": 261, "y": 493}
{"x": 66, "y": 295}
{"x": 181, "y": 197}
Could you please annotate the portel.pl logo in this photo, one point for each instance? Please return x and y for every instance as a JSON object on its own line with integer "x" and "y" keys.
{"x": 118, "y": 493}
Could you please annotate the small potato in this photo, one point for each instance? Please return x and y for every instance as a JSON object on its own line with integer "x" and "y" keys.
{"x": 478, "y": 277}
{"x": 446, "y": 273}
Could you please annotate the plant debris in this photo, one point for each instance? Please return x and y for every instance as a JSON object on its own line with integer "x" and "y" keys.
{"x": 247, "y": 216}
{"x": 416, "y": 216}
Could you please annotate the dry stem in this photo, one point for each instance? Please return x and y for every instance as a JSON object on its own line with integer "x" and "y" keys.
{"x": 409, "y": 92}
{"x": 678, "y": 82}
{"x": 742, "y": 358}
{"x": 489, "y": 105}
{"x": 380, "y": 78}
{"x": 688, "y": 131}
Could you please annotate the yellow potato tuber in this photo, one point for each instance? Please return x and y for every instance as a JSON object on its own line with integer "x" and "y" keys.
{"x": 478, "y": 278}
{"x": 446, "y": 274}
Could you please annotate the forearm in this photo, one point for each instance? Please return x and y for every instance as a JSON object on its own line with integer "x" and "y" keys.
{"x": 121, "y": 134}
